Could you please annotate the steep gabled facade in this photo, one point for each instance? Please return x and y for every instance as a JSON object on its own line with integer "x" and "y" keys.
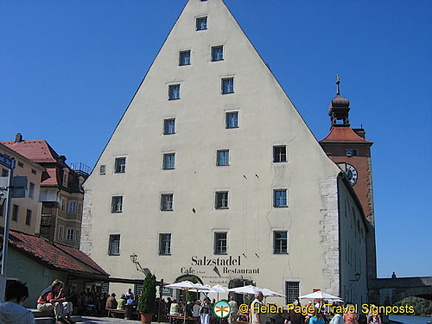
{"x": 212, "y": 173}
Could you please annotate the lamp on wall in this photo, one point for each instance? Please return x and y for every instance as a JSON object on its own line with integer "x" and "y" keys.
{"x": 134, "y": 259}
{"x": 357, "y": 277}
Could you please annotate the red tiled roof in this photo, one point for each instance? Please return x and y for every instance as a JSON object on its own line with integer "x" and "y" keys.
{"x": 55, "y": 255}
{"x": 36, "y": 150}
{"x": 51, "y": 180}
{"x": 343, "y": 134}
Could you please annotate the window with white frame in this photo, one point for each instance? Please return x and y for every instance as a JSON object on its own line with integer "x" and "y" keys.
{"x": 169, "y": 161}
{"x": 279, "y": 153}
{"x": 165, "y": 244}
{"x": 201, "y": 23}
{"x": 169, "y": 126}
{"x": 72, "y": 206}
{"x": 184, "y": 58}
{"x": 70, "y": 234}
{"x": 221, "y": 200}
{"x": 167, "y": 202}
{"x": 117, "y": 204}
{"x": 63, "y": 204}
{"x": 280, "y": 242}
{"x": 102, "y": 169}
{"x": 280, "y": 198}
{"x": 222, "y": 158}
{"x": 220, "y": 243}
{"x": 217, "y": 53}
{"x": 61, "y": 233}
{"x": 120, "y": 165}
{"x": 114, "y": 244}
{"x": 231, "y": 119}
{"x": 174, "y": 92}
{"x": 227, "y": 85}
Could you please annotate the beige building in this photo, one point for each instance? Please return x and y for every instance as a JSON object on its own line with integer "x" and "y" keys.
{"x": 213, "y": 173}
{"x": 24, "y": 212}
{"x": 60, "y": 194}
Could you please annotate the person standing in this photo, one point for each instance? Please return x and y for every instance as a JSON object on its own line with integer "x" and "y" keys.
{"x": 12, "y": 311}
{"x": 52, "y": 299}
{"x": 234, "y": 310}
{"x": 256, "y": 314}
{"x": 111, "y": 302}
{"x": 206, "y": 311}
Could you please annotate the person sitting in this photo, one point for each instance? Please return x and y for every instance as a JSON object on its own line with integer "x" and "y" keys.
{"x": 111, "y": 302}
{"x": 174, "y": 308}
{"x": 51, "y": 299}
{"x": 121, "y": 303}
{"x": 12, "y": 311}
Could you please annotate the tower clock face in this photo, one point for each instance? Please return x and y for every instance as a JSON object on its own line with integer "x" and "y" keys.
{"x": 351, "y": 174}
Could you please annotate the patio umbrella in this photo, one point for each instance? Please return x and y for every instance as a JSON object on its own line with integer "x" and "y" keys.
{"x": 251, "y": 290}
{"x": 319, "y": 295}
{"x": 219, "y": 290}
{"x": 269, "y": 293}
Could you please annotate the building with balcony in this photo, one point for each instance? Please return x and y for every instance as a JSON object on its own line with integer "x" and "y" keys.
{"x": 61, "y": 194}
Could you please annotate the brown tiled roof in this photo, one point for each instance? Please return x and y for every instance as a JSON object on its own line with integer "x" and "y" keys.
{"x": 36, "y": 150}
{"x": 343, "y": 134}
{"x": 57, "y": 256}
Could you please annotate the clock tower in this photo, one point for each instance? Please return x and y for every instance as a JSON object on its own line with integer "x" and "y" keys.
{"x": 349, "y": 148}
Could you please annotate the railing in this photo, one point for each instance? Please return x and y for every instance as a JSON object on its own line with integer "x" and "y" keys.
{"x": 81, "y": 168}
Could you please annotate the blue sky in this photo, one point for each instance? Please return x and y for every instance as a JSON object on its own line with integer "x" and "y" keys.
{"x": 70, "y": 68}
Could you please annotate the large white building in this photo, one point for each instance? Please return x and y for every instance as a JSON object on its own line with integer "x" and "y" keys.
{"x": 212, "y": 172}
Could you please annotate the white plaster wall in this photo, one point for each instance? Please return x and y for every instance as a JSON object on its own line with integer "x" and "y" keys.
{"x": 266, "y": 117}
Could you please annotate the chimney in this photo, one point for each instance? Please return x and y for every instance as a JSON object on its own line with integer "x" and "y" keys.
{"x": 18, "y": 138}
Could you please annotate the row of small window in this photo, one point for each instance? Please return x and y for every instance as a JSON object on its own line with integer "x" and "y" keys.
{"x": 5, "y": 172}
{"x": 231, "y": 121}
{"x": 71, "y": 234}
{"x": 217, "y": 54}
{"x": 280, "y": 200}
{"x": 223, "y": 157}
{"x": 15, "y": 213}
{"x": 227, "y": 87}
{"x": 220, "y": 243}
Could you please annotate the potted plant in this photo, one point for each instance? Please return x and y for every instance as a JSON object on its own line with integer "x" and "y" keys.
{"x": 147, "y": 306}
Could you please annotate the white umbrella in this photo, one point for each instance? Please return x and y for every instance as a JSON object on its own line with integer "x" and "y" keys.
{"x": 219, "y": 289}
{"x": 319, "y": 295}
{"x": 251, "y": 290}
{"x": 267, "y": 292}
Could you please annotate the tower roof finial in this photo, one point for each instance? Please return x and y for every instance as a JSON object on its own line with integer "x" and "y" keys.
{"x": 337, "y": 84}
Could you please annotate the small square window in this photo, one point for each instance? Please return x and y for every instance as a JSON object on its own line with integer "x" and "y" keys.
{"x": 169, "y": 161}
{"x": 28, "y": 217}
{"x": 201, "y": 23}
{"x": 167, "y": 201}
{"x": 102, "y": 169}
{"x": 280, "y": 198}
{"x": 117, "y": 204}
{"x": 227, "y": 85}
{"x": 114, "y": 245}
{"x": 184, "y": 58}
{"x": 20, "y": 164}
{"x": 217, "y": 53}
{"x": 221, "y": 200}
{"x": 220, "y": 243}
{"x": 174, "y": 92}
{"x": 165, "y": 244}
{"x": 232, "y": 120}
{"x": 222, "y": 158}
{"x": 120, "y": 165}
{"x": 279, "y": 154}
{"x": 169, "y": 126}
{"x": 280, "y": 242}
